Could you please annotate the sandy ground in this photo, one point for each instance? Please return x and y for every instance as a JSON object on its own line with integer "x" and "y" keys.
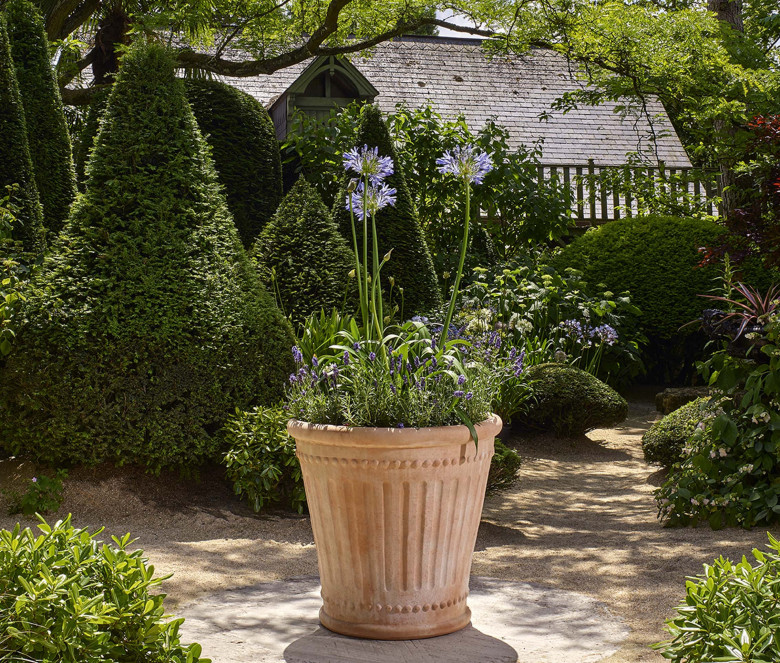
{"x": 581, "y": 519}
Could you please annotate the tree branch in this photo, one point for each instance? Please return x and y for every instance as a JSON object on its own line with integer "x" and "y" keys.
{"x": 313, "y": 46}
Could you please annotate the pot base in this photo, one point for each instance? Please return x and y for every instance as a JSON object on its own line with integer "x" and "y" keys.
{"x": 395, "y": 631}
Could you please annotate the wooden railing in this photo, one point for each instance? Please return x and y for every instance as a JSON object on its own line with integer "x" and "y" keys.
{"x": 597, "y": 194}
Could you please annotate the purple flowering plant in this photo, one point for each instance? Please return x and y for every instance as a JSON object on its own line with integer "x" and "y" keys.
{"x": 375, "y": 374}
{"x": 402, "y": 380}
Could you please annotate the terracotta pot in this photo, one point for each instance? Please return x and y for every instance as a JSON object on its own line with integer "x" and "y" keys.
{"x": 395, "y": 514}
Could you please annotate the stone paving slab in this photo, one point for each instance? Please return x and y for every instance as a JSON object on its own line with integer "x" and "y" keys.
{"x": 512, "y": 622}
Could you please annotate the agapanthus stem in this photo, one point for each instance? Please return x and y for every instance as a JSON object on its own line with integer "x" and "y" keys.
{"x": 376, "y": 289}
{"x": 358, "y": 271}
{"x": 366, "y": 322}
{"x": 463, "y": 246}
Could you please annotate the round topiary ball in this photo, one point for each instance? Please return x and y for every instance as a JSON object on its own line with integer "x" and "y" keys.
{"x": 664, "y": 441}
{"x": 571, "y": 402}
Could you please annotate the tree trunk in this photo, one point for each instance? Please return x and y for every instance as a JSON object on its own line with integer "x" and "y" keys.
{"x": 111, "y": 32}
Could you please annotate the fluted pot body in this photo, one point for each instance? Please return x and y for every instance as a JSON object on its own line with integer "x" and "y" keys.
{"x": 395, "y": 514}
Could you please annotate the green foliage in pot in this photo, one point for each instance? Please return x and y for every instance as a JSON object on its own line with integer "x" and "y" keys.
{"x": 398, "y": 227}
{"x": 728, "y": 475}
{"x": 65, "y": 596}
{"x": 245, "y": 152}
{"x": 503, "y": 468}
{"x": 47, "y": 130}
{"x": 657, "y": 260}
{"x": 261, "y": 459}
{"x": 571, "y": 402}
{"x": 729, "y": 613}
{"x": 16, "y": 168}
{"x": 664, "y": 442}
{"x": 302, "y": 258}
{"x": 147, "y": 325}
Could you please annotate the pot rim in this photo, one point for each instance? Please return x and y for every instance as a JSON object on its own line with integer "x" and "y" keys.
{"x": 367, "y": 436}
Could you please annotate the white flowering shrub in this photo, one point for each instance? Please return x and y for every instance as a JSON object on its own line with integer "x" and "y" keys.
{"x": 553, "y": 316}
{"x": 729, "y": 472}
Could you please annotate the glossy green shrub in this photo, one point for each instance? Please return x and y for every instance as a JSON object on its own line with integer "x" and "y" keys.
{"x": 571, "y": 402}
{"x": 398, "y": 228}
{"x": 15, "y": 165}
{"x": 729, "y": 613}
{"x": 663, "y": 443}
{"x": 729, "y": 473}
{"x": 261, "y": 459}
{"x": 245, "y": 152}
{"x": 503, "y": 468}
{"x": 147, "y": 325}
{"x": 301, "y": 256}
{"x": 47, "y": 130}
{"x": 65, "y": 596}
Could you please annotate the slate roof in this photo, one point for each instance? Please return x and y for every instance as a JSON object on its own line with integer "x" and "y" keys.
{"x": 457, "y": 75}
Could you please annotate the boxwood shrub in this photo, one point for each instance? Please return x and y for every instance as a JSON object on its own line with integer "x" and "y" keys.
{"x": 570, "y": 401}
{"x": 656, "y": 259}
{"x": 65, "y": 596}
{"x": 147, "y": 325}
{"x": 398, "y": 227}
{"x": 47, "y": 129}
{"x": 15, "y": 165}
{"x": 301, "y": 256}
{"x": 663, "y": 443}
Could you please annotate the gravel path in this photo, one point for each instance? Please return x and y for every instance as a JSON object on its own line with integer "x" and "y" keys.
{"x": 581, "y": 519}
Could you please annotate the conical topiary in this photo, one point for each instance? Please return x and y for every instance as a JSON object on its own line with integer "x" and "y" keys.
{"x": 15, "y": 165}
{"x": 398, "y": 227}
{"x": 302, "y": 257}
{"x": 47, "y": 130}
{"x": 245, "y": 151}
{"x": 147, "y": 325}
{"x": 85, "y": 140}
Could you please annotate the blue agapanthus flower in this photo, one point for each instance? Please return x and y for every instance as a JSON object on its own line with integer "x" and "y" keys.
{"x": 366, "y": 162}
{"x": 466, "y": 162}
{"x": 376, "y": 197}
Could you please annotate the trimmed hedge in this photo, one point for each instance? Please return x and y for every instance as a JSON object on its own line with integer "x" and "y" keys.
{"x": 245, "y": 152}
{"x": 47, "y": 129}
{"x": 302, "y": 257}
{"x": 83, "y": 145}
{"x": 398, "y": 227}
{"x": 665, "y": 439}
{"x": 66, "y": 596}
{"x": 656, "y": 259}
{"x": 570, "y": 401}
{"x": 15, "y": 163}
{"x": 147, "y": 325}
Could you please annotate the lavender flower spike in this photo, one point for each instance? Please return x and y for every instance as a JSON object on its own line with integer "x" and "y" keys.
{"x": 467, "y": 162}
{"x": 367, "y": 162}
{"x": 377, "y": 197}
